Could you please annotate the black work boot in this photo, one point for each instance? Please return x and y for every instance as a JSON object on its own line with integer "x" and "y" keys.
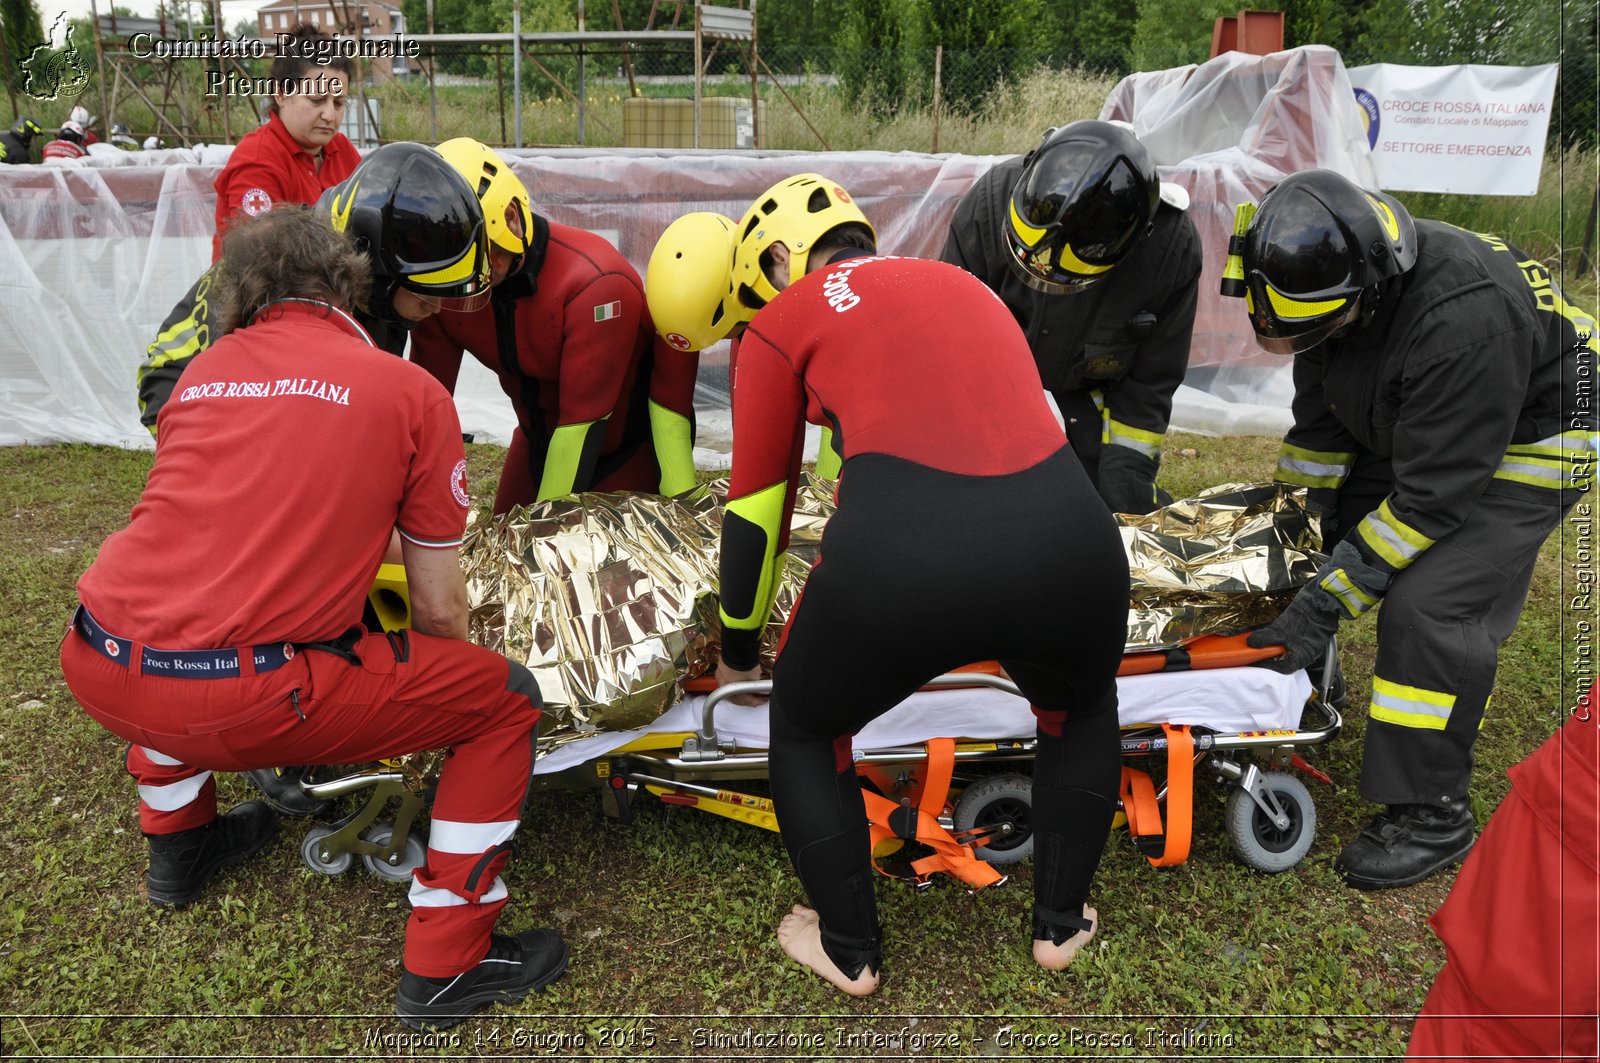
{"x": 182, "y": 863}
{"x": 280, "y": 788}
{"x": 1404, "y": 844}
{"x": 514, "y": 967}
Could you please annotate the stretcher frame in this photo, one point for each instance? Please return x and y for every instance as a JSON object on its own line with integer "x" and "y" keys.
{"x": 676, "y": 767}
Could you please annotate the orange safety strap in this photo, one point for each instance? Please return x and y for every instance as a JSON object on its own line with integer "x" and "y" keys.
{"x": 949, "y": 855}
{"x": 1144, "y": 813}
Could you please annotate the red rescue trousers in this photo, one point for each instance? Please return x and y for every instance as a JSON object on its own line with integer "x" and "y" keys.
{"x": 1521, "y": 926}
{"x": 401, "y": 694}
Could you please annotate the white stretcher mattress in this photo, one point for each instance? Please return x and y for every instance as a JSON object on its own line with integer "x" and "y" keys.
{"x": 1227, "y": 700}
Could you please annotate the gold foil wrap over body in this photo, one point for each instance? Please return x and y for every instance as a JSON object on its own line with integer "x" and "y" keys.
{"x": 1228, "y": 559}
{"x": 609, "y": 598}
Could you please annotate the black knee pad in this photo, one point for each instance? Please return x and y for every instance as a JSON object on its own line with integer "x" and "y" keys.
{"x": 520, "y": 681}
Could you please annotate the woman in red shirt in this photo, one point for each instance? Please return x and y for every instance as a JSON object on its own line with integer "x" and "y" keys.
{"x": 298, "y": 152}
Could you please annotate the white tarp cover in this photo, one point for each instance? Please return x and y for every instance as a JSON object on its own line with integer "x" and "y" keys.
{"x": 94, "y": 253}
{"x": 1227, "y": 131}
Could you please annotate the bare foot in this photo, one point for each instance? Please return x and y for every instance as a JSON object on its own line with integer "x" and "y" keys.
{"x": 800, "y": 934}
{"x": 1053, "y": 957}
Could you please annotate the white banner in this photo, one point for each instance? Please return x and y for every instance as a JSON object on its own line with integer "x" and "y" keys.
{"x": 1471, "y": 130}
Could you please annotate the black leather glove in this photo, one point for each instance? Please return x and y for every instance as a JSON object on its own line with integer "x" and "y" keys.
{"x": 1127, "y": 480}
{"x": 1303, "y": 630}
{"x": 1344, "y": 588}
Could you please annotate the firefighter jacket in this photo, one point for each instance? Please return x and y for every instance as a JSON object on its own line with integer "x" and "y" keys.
{"x": 14, "y": 150}
{"x": 1126, "y": 336}
{"x": 1474, "y": 376}
{"x": 191, "y": 327}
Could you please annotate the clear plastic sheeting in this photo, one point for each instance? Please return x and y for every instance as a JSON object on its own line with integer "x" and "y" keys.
{"x": 1226, "y": 131}
{"x": 95, "y": 252}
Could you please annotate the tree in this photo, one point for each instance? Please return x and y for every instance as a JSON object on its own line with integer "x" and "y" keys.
{"x": 1097, "y": 34}
{"x": 1335, "y": 23}
{"x": 872, "y": 54}
{"x": 1172, "y": 33}
{"x": 984, "y": 45}
{"x": 1437, "y": 32}
{"x": 24, "y": 29}
{"x": 1567, "y": 35}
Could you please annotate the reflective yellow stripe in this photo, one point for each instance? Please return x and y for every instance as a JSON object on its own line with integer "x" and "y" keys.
{"x": 1025, "y": 232}
{"x": 1390, "y": 538}
{"x": 1408, "y": 706}
{"x": 1583, "y": 323}
{"x": 1313, "y": 468}
{"x": 1098, "y": 397}
{"x": 1391, "y": 225}
{"x": 341, "y": 215}
{"x": 1076, "y": 264}
{"x": 673, "y": 436}
{"x": 1355, "y": 600}
{"x": 459, "y": 270}
{"x": 1125, "y": 435}
{"x": 764, "y": 509}
{"x": 1555, "y": 462}
{"x": 175, "y": 344}
{"x": 1290, "y": 307}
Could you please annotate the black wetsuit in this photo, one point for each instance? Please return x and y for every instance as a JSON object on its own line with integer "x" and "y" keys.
{"x": 966, "y": 530}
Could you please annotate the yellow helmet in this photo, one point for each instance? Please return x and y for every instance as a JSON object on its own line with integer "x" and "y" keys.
{"x": 688, "y": 283}
{"x": 505, "y": 199}
{"x": 796, "y": 212}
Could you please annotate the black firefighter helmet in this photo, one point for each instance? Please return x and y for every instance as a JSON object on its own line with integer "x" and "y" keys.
{"x": 418, "y": 221}
{"x": 1314, "y": 255}
{"x": 1087, "y": 195}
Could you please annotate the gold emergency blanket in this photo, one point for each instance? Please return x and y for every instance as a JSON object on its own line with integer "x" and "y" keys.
{"x": 608, "y": 598}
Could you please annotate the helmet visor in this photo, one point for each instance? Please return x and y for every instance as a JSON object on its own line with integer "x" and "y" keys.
{"x": 465, "y": 304}
{"x": 1286, "y": 324}
{"x": 1041, "y": 269}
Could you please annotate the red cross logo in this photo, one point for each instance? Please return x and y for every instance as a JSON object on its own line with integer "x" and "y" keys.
{"x": 256, "y": 201}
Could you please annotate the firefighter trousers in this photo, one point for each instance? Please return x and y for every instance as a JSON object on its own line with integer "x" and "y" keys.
{"x": 1440, "y": 629}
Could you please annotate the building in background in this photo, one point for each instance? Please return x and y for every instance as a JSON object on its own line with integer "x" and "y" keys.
{"x": 342, "y": 18}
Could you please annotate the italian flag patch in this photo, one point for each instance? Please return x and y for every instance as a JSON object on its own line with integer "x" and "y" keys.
{"x": 607, "y": 311}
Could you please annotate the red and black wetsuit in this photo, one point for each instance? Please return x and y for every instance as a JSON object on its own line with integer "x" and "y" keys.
{"x": 966, "y": 530}
{"x": 602, "y": 404}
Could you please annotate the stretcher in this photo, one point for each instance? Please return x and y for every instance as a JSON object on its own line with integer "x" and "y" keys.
{"x": 947, "y": 773}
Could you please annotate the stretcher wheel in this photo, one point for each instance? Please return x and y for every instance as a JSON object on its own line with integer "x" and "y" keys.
{"x": 311, "y": 853}
{"x": 412, "y": 855}
{"x": 998, "y": 801}
{"x": 1257, "y": 839}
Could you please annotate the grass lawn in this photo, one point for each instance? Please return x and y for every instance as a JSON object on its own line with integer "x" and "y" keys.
{"x": 670, "y": 920}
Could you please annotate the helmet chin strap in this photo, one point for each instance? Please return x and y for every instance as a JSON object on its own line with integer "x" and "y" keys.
{"x": 380, "y": 304}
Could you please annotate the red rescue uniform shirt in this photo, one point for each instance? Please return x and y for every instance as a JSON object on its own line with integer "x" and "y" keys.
{"x": 872, "y": 348}
{"x": 268, "y": 168}
{"x": 63, "y": 149}
{"x": 237, "y": 543}
{"x": 899, "y": 356}
{"x": 576, "y": 340}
